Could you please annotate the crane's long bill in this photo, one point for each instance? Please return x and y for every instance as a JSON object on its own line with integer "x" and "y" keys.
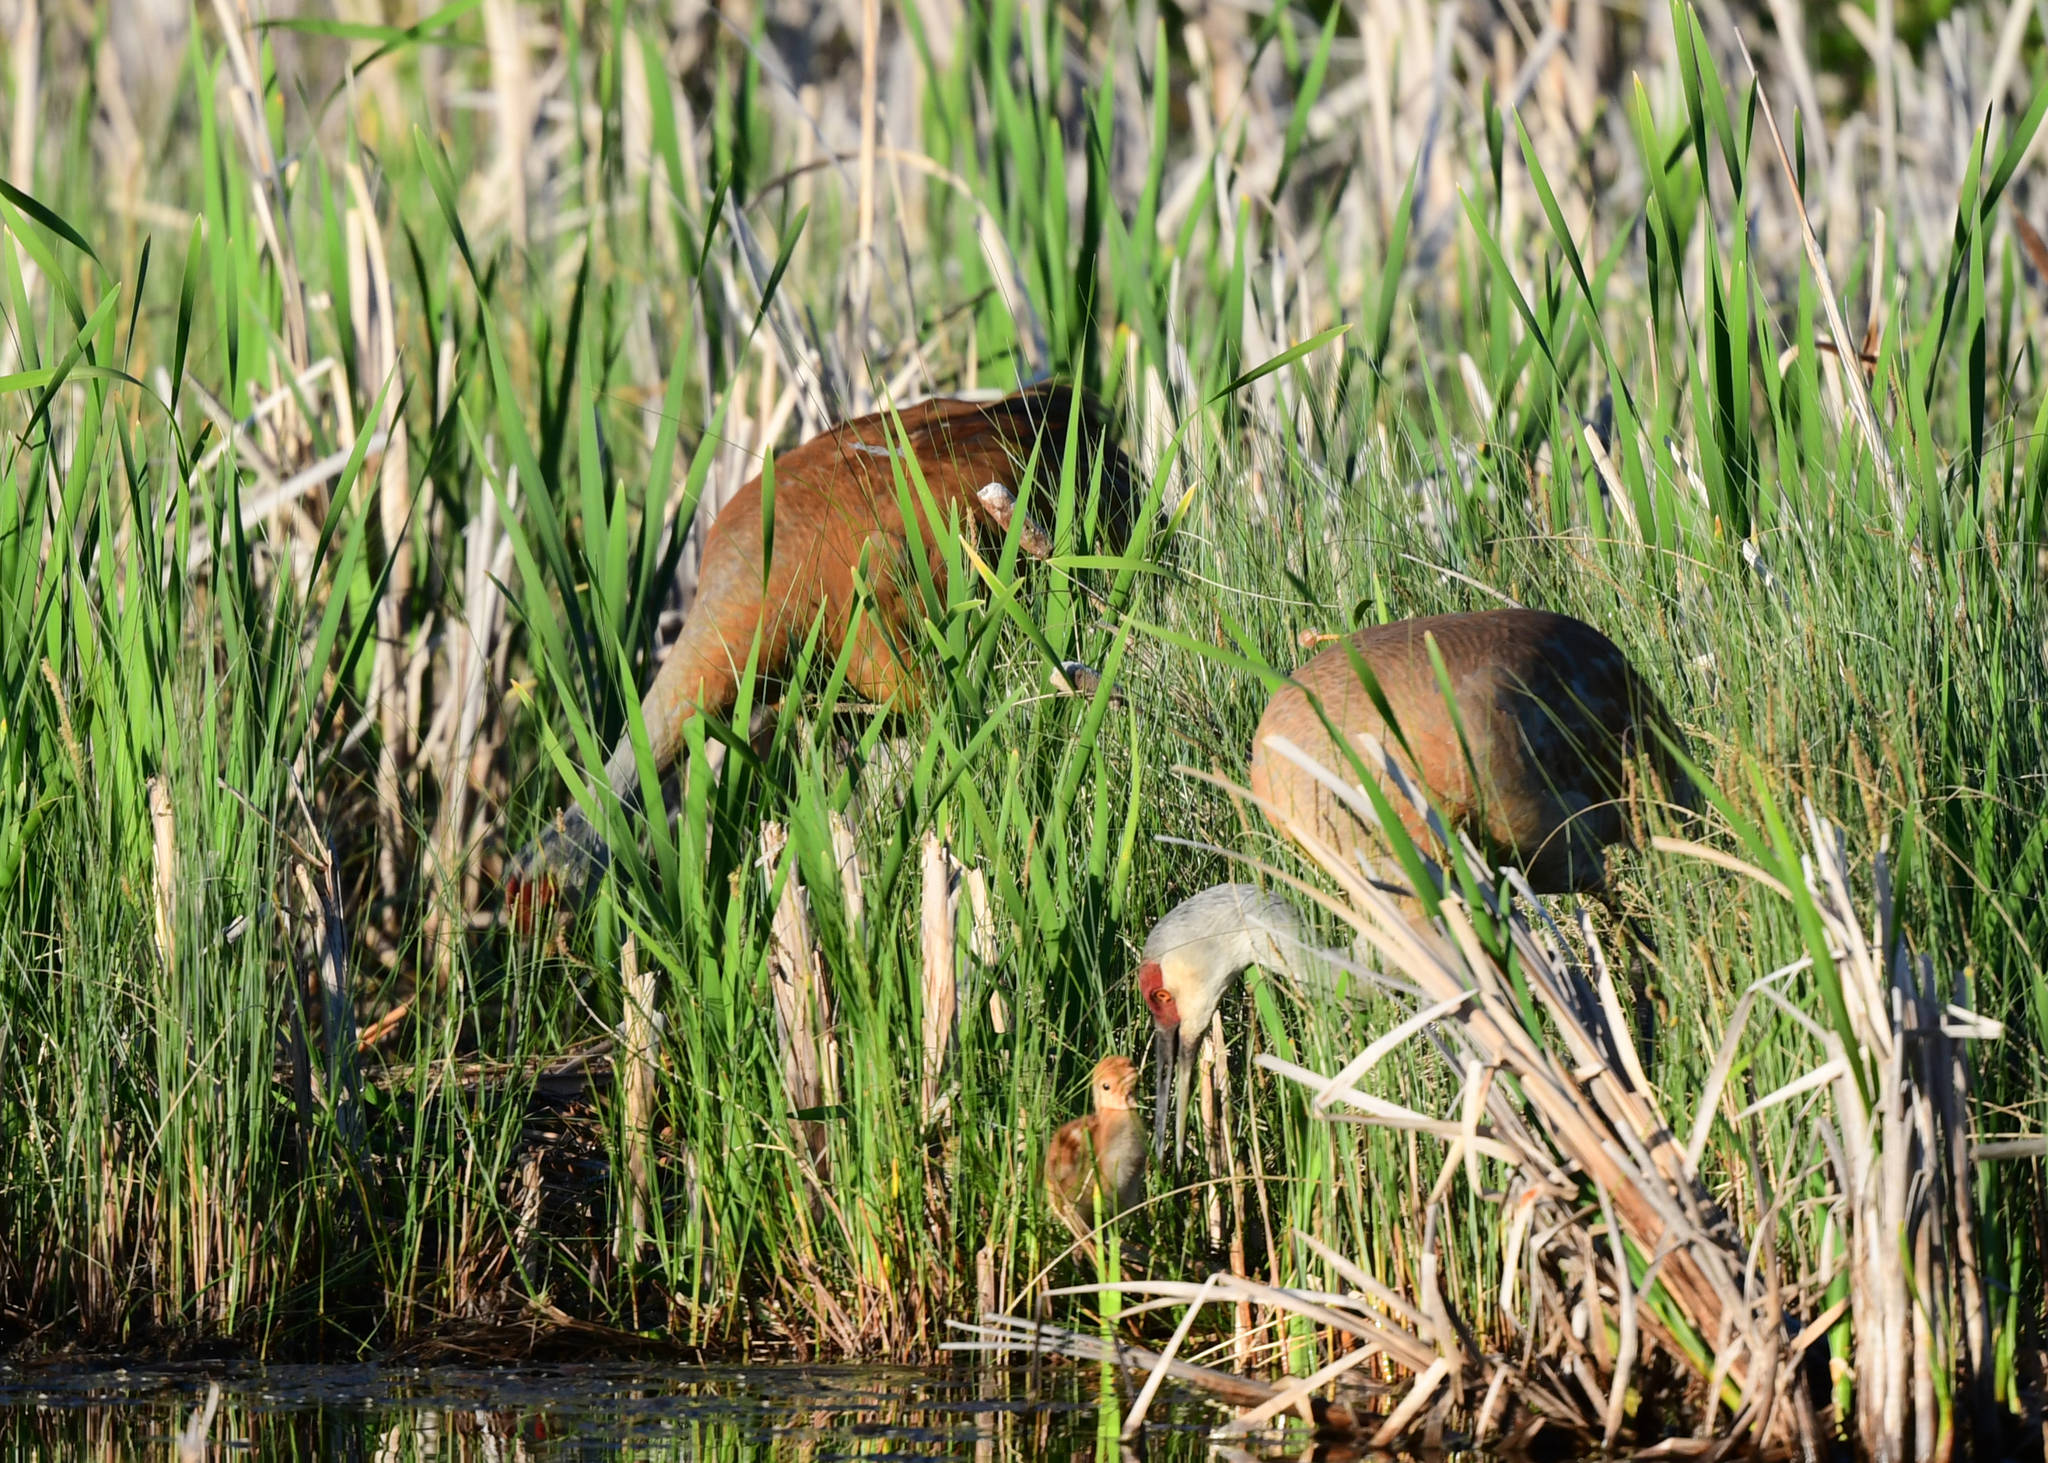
{"x": 1165, "y": 1057}
{"x": 1173, "y": 1057}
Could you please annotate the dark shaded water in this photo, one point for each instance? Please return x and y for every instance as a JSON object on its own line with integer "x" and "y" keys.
{"x": 380, "y": 1414}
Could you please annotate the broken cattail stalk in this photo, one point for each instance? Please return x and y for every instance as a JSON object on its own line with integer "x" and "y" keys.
{"x": 981, "y": 915}
{"x": 245, "y": 96}
{"x": 472, "y": 641}
{"x": 1418, "y": 1397}
{"x": 375, "y": 325}
{"x": 637, "y": 1038}
{"x": 191, "y": 1440}
{"x": 26, "y": 51}
{"x": 1135, "y": 1421}
{"x": 1224, "y": 1142}
{"x": 984, "y": 942}
{"x": 1300, "y": 1392}
{"x": 512, "y": 89}
{"x": 1001, "y": 1335}
{"x": 864, "y": 240}
{"x": 803, "y": 996}
{"x": 165, "y": 833}
{"x": 526, "y": 1235}
{"x": 939, "y": 987}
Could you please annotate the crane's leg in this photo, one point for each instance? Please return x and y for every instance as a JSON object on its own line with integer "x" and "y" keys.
{"x": 1084, "y": 1238}
{"x": 701, "y": 673}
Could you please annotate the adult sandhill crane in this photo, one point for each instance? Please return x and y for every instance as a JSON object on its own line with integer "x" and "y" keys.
{"x": 1531, "y": 768}
{"x": 838, "y": 515}
{"x": 1103, "y": 1152}
{"x": 1191, "y": 956}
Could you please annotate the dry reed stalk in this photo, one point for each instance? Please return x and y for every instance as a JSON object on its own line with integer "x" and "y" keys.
{"x": 27, "y": 52}
{"x": 382, "y": 105}
{"x": 939, "y": 987}
{"x": 864, "y": 228}
{"x": 1223, "y": 1143}
{"x": 299, "y": 1054}
{"x": 999, "y": 1335}
{"x": 121, "y": 144}
{"x": 637, "y": 1037}
{"x": 512, "y": 89}
{"x": 803, "y": 997}
{"x": 164, "y": 832}
{"x": 268, "y": 195}
{"x": 636, "y": 128}
{"x": 375, "y": 325}
{"x": 190, "y": 1441}
{"x": 451, "y": 744}
{"x": 455, "y": 745}
{"x": 818, "y": 375}
{"x": 526, "y": 1236}
{"x": 984, "y": 940}
{"x": 281, "y": 493}
{"x": 1859, "y": 393}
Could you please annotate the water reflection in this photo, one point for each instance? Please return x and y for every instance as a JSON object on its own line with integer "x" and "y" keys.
{"x": 379, "y": 1414}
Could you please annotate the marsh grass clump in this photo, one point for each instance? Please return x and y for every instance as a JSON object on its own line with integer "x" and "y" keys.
{"x": 1617, "y": 1254}
{"x": 367, "y": 387}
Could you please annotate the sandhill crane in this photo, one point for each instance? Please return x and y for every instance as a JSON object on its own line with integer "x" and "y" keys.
{"x": 837, "y": 517}
{"x": 1531, "y": 767}
{"x": 1103, "y": 1152}
{"x": 1191, "y": 956}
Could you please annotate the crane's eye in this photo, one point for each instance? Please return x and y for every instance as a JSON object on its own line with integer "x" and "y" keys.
{"x": 1161, "y": 996}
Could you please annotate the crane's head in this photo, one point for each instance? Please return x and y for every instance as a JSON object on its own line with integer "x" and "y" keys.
{"x": 1181, "y": 1006}
{"x": 1192, "y": 955}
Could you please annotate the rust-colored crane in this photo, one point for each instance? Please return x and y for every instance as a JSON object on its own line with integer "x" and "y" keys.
{"x": 1531, "y": 767}
{"x": 837, "y": 517}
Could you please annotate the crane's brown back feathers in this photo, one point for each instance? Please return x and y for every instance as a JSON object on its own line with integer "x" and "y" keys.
{"x": 838, "y": 522}
{"x": 1550, "y": 711}
{"x": 838, "y": 514}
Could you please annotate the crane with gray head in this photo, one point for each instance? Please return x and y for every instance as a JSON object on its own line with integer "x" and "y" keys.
{"x": 1192, "y": 955}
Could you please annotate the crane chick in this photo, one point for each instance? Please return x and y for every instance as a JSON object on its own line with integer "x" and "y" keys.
{"x": 1103, "y": 1152}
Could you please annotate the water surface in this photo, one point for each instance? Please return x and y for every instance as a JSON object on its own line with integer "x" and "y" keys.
{"x": 393, "y": 1414}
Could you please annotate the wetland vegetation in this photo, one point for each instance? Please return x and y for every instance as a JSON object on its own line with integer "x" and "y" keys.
{"x": 367, "y": 379}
